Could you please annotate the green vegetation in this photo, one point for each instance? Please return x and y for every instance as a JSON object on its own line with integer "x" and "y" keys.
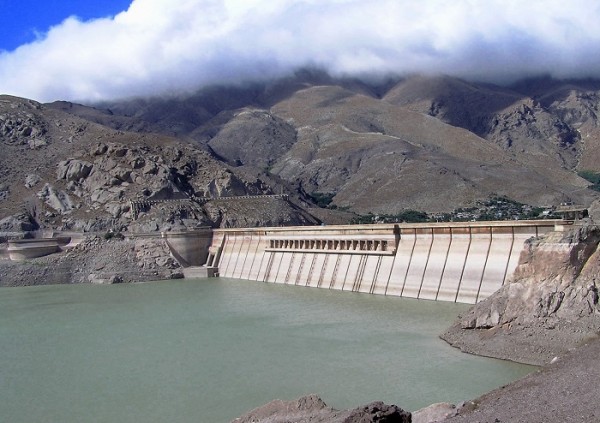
{"x": 592, "y": 177}
{"x": 407, "y": 216}
{"x": 496, "y": 208}
{"x": 323, "y": 199}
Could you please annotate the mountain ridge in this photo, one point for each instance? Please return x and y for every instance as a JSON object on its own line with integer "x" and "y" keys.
{"x": 421, "y": 142}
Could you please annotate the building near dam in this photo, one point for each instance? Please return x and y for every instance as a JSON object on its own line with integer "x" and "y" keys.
{"x": 458, "y": 262}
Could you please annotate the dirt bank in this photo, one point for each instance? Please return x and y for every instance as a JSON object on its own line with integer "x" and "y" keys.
{"x": 535, "y": 343}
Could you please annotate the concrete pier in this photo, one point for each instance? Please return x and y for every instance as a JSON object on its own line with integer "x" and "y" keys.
{"x": 190, "y": 248}
{"x": 458, "y": 262}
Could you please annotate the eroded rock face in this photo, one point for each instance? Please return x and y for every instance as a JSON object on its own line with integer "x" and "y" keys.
{"x": 557, "y": 278}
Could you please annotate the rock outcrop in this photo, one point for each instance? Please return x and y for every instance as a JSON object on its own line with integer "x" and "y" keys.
{"x": 550, "y": 305}
{"x": 312, "y": 409}
{"x": 555, "y": 279}
{"x": 69, "y": 173}
{"x": 22, "y": 222}
{"x": 20, "y": 125}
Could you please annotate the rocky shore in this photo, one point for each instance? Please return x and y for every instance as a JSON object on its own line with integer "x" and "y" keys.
{"x": 96, "y": 260}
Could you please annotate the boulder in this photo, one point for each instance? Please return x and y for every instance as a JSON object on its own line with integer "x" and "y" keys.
{"x": 378, "y": 412}
{"x": 18, "y": 223}
{"x": 73, "y": 170}
{"x": 99, "y": 149}
{"x": 32, "y": 180}
{"x": 36, "y": 143}
{"x": 55, "y": 199}
{"x": 102, "y": 196}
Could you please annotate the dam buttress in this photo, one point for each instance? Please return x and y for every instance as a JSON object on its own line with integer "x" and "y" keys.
{"x": 457, "y": 262}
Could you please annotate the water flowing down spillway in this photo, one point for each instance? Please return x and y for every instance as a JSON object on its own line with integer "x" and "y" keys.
{"x": 209, "y": 350}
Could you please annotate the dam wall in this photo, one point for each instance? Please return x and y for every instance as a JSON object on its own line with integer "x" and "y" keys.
{"x": 458, "y": 262}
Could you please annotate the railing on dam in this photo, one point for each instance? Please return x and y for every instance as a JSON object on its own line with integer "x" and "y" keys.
{"x": 459, "y": 262}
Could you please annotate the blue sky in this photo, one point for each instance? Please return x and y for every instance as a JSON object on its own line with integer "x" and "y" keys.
{"x": 20, "y": 20}
{"x": 172, "y": 47}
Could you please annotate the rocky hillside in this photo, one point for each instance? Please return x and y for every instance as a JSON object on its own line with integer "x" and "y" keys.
{"x": 425, "y": 143}
{"x": 64, "y": 172}
{"x": 421, "y": 143}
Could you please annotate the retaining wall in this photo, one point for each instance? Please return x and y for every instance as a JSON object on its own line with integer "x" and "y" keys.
{"x": 459, "y": 262}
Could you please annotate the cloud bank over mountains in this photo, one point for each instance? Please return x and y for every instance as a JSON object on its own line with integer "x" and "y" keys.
{"x": 161, "y": 46}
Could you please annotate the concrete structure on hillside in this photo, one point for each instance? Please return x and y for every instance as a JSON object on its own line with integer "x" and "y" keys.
{"x": 24, "y": 249}
{"x": 49, "y": 243}
{"x": 458, "y": 262}
{"x": 572, "y": 212}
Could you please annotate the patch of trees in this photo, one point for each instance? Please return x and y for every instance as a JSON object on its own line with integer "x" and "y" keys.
{"x": 495, "y": 208}
{"x": 323, "y": 199}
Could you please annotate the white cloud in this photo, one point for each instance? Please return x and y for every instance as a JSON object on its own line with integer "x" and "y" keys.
{"x": 160, "y": 46}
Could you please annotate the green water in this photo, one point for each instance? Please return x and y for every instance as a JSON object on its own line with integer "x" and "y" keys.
{"x": 207, "y": 351}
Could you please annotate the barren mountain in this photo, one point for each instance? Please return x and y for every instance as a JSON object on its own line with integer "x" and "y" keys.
{"x": 534, "y": 120}
{"x": 380, "y": 157}
{"x": 424, "y": 143}
{"x": 61, "y": 171}
{"x": 427, "y": 143}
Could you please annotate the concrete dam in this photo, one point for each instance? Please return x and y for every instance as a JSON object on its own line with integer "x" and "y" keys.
{"x": 458, "y": 262}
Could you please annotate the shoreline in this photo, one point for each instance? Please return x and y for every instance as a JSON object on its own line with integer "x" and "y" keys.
{"x": 564, "y": 390}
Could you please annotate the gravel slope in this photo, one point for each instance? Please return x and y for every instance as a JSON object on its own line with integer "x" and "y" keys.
{"x": 564, "y": 391}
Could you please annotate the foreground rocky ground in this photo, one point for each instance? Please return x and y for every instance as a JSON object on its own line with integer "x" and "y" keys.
{"x": 563, "y": 391}
{"x": 312, "y": 409}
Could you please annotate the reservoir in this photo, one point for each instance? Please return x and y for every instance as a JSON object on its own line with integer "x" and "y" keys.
{"x": 210, "y": 350}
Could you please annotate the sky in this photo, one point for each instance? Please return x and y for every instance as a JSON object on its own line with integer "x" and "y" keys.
{"x": 82, "y": 50}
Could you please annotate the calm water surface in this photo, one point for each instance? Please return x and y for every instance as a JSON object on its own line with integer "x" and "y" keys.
{"x": 207, "y": 351}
